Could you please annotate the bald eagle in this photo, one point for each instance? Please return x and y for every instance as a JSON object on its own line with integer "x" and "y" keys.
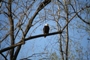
{"x": 46, "y": 29}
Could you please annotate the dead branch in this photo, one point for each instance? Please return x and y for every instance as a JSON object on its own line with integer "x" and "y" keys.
{"x": 79, "y": 15}
{"x": 4, "y": 56}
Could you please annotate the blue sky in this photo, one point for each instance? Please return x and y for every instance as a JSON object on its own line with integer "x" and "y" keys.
{"x": 50, "y": 43}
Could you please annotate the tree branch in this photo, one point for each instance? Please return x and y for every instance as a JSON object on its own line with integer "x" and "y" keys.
{"x": 4, "y": 56}
{"x": 83, "y": 19}
{"x": 79, "y": 15}
{"x": 41, "y": 35}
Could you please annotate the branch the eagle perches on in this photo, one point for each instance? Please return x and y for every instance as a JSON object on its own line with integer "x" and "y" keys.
{"x": 26, "y": 39}
{"x": 41, "y": 35}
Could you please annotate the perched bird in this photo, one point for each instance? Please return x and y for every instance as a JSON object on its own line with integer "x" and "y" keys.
{"x": 46, "y": 29}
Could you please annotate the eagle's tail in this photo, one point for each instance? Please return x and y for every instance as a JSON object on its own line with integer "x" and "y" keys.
{"x": 45, "y": 35}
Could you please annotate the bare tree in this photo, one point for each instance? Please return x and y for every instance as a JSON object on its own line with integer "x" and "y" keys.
{"x": 12, "y": 15}
{"x": 68, "y": 11}
{"x": 17, "y": 18}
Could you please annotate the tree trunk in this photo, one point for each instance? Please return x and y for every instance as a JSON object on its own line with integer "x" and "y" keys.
{"x": 67, "y": 32}
{"x": 11, "y": 27}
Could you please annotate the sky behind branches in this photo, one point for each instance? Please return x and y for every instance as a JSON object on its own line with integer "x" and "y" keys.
{"x": 50, "y": 43}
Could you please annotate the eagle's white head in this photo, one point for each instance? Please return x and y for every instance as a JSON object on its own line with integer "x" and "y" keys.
{"x": 46, "y": 24}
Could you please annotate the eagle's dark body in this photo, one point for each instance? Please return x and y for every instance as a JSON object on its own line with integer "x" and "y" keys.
{"x": 46, "y": 29}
